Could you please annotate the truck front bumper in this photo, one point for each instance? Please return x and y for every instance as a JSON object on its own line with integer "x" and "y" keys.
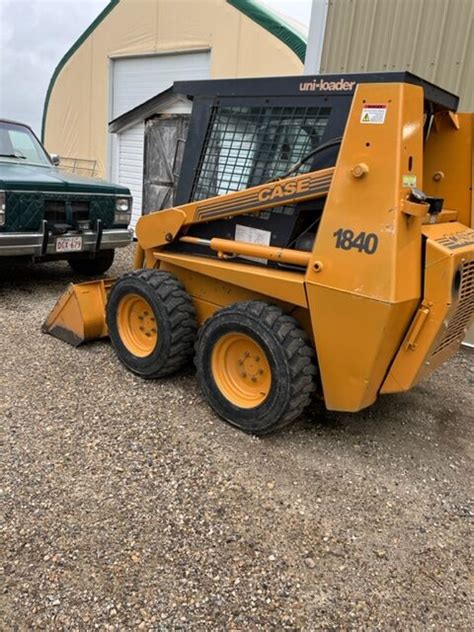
{"x": 43, "y": 244}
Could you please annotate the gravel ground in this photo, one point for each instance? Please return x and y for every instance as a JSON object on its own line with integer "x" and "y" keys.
{"x": 128, "y": 505}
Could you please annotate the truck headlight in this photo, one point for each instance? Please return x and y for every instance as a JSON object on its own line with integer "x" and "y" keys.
{"x": 2, "y": 208}
{"x": 123, "y": 210}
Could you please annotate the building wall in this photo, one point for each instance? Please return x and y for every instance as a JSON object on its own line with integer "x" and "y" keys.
{"x": 431, "y": 38}
{"x": 78, "y": 110}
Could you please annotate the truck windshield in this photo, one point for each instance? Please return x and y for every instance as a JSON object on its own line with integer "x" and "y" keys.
{"x": 18, "y": 143}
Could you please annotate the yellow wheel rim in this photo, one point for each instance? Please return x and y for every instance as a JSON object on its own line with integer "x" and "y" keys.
{"x": 241, "y": 370}
{"x": 136, "y": 325}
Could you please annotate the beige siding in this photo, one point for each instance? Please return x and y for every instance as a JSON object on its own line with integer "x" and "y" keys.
{"x": 78, "y": 113}
{"x": 431, "y": 38}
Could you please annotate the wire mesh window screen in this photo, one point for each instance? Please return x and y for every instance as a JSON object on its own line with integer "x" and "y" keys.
{"x": 246, "y": 146}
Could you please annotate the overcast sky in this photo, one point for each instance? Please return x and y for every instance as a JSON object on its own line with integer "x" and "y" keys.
{"x": 35, "y": 34}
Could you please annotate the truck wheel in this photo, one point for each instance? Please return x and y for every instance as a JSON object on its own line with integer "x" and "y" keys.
{"x": 255, "y": 366}
{"x": 152, "y": 323}
{"x": 100, "y": 263}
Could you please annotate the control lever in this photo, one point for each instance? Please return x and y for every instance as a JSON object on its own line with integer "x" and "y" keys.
{"x": 435, "y": 205}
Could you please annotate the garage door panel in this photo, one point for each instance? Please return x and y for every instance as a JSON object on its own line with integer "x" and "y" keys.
{"x": 130, "y": 165}
{"x": 134, "y": 81}
{"x": 137, "y": 79}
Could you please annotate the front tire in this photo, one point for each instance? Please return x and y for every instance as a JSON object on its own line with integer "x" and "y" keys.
{"x": 152, "y": 323}
{"x": 92, "y": 266}
{"x": 255, "y": 366}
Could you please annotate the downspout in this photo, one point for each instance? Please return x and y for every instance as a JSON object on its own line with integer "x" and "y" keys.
{"x": 317, "y": 31}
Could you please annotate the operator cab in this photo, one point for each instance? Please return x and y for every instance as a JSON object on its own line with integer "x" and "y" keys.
{"x": 245, "y": 132}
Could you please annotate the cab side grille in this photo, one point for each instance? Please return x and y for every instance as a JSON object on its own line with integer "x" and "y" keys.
{"x": 463, "y": 312}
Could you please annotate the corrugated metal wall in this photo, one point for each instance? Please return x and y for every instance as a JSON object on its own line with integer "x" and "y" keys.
{"x": 431, "y": 38}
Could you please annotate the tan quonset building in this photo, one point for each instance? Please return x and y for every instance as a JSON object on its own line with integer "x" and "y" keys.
{"x": 135, "y": 49}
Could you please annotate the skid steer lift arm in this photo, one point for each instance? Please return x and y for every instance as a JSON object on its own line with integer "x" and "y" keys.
{"x": 158, "y": 229}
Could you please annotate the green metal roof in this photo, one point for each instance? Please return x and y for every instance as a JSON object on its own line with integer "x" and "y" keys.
{"x": 274, "y": 24}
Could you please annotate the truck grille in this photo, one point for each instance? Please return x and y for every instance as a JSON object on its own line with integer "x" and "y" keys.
{"x": 55, "y": 211}
{"x": 80, "y": 210}
{"x": 463, "y": 312}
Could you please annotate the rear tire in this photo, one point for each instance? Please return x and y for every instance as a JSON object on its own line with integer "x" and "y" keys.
{"x": 255, "y": 366}
{"x": 152, "y": 323}
{"x": 100, "y": 263}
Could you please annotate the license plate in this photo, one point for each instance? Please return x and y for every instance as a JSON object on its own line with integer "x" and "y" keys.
{"x": 68, "y": 244}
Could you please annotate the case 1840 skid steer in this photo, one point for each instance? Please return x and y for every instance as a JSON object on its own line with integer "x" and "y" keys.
{"x": 349, "y": 275}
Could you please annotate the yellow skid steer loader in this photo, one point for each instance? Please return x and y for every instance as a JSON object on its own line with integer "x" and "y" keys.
{"x": 318, "y": 242}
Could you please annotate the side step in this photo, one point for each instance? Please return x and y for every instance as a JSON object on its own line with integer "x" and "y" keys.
{"x": 79, "y": 314}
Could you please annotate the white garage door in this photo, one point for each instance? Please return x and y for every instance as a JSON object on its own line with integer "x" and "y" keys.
{"x": 135, "y": 80}
{"x": 129, "y": 148}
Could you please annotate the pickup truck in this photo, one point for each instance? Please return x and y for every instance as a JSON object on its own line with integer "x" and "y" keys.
{"x": 46, "y": 214}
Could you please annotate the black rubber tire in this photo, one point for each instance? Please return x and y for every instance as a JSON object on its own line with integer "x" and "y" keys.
{"x": 291, "y": 359}
{"x": 92, "y": 266}
{"x": 175, "y": 317}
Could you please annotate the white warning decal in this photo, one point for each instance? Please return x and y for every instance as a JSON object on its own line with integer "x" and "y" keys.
{"x": 374, "y": 114}
{"x": 253, "y": 236}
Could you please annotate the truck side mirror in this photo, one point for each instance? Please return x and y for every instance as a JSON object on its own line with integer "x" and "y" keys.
{"x": 55, "y": 159}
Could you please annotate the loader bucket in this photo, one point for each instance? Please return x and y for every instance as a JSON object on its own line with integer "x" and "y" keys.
{"x": 79, "y": 314}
